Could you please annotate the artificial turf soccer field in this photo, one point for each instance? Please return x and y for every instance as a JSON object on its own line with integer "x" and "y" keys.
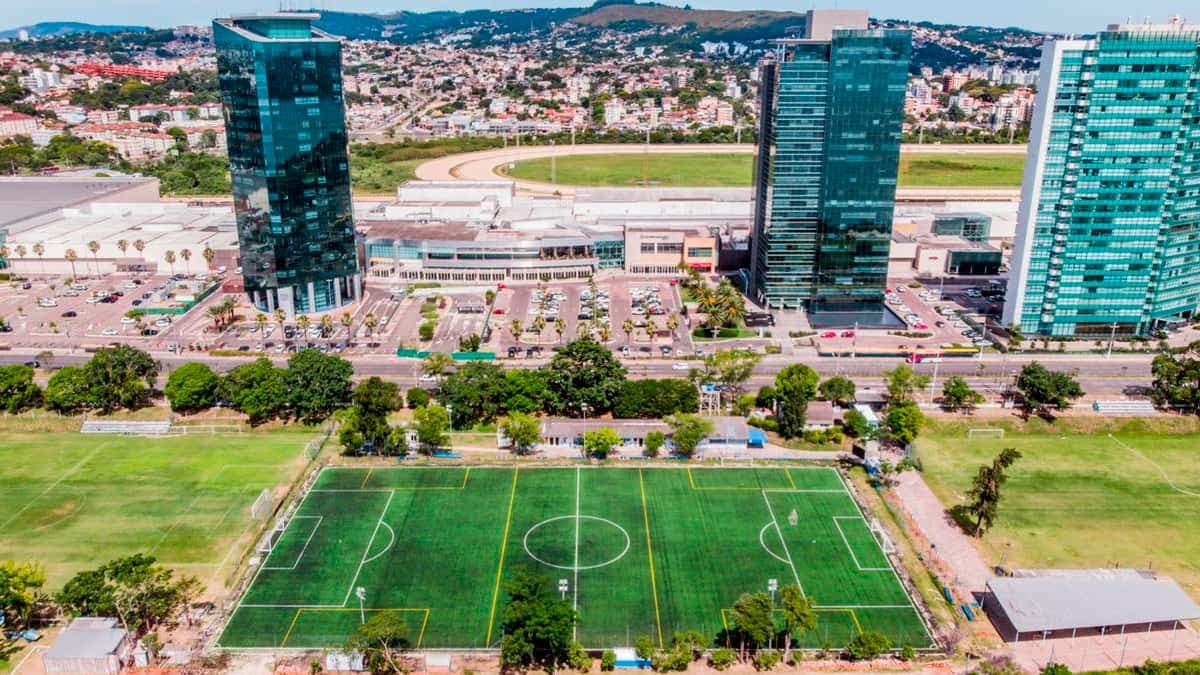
{"x": 645, "y": 552}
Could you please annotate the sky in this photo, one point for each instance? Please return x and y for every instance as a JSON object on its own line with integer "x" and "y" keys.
{"x": 1053, "y": 15}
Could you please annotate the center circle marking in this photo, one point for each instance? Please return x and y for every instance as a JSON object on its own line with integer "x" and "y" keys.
{"x": 574, "y": 568}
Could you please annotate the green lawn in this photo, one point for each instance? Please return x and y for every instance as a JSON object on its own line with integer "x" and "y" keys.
{"x": 736, "y": 169}
{"x": 71, "y": 501}
{"x": 645, "y": 552}
{"x": 1080, "y": 498}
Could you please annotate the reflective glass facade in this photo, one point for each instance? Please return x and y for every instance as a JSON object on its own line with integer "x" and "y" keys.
{"x": 969, "y": 226}
{"x": 1109, "y": 227}
{"x": 281, "y": 83}
{"x": 825, "y": 178}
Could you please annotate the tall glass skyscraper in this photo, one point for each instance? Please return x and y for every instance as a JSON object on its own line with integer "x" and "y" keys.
{"x": 281, "y": 82}
{"x": 1108, "y": 231}
{"x": 825, "y": 176}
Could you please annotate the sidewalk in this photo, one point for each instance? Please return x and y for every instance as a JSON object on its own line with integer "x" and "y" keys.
{"x": 952, "y": 552}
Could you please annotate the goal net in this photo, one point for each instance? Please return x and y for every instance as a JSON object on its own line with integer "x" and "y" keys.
{"x": 985, "y": 433}
{"x": 262, "y": 506}
{"x": 881, "y": 536}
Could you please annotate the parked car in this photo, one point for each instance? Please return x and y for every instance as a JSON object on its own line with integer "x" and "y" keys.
{"x": 829, "y": 334}
{"x": 847, "y": 333}
{"x": 70, "y": 314}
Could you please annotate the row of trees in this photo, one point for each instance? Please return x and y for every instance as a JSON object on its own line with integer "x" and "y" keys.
{"x": 123, "y": 245}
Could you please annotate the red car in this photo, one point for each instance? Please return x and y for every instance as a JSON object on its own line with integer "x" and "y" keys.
{"x": 847, "y": 333}
{"x": 920, "y": 326}
{"x": 829, "y": 334}
{"x": 498, "y": 310}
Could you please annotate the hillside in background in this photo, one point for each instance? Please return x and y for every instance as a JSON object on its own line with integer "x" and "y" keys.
{"x": 51, "y": 28}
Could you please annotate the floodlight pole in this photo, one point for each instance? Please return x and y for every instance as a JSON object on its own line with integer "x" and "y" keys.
{"x": 362, "y": 595}
{"x": 563, "y": 586}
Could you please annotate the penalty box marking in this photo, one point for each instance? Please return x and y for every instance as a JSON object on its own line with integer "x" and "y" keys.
{"x": 307, "y": 541}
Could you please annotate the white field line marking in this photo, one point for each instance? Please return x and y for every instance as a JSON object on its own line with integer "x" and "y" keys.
{"x": 78, "y": 465}
{"x": 311, "y": 534}
{"x": 309, "y": 606}
{"x": 783, "y": 541}
{"x": 803, "y": 490}
{"x": 575, "y": 589}
{"x": 362, "y": 561}
{"x": 1154, "y": 464}
{"x": 390, "y": 544}
{"x": 761, "y": 534}
{"x": 895, "y": 574}
{"x": 863, "y": 606}
{"x": 850, "y": 548}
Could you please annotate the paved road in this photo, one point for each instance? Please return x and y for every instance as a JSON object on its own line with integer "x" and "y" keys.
{"x": 482, "y": 165}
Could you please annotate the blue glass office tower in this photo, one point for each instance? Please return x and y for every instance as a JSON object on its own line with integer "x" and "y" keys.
{"x": 1108, "y": 230}
{"x": 832, "y": 105}
{"x": 281, "y": 83}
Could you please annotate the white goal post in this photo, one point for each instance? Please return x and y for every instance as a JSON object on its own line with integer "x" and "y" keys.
{"x": 985, "y": 433}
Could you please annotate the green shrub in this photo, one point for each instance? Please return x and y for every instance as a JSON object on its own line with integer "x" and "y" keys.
{"x": 426, "y": 330}
{"x": 644, "y": 648}
{"x": 417, "y": 398}
{"x": 907, "y": 653}
{"x": 579, "y": 658}
{"x": 723, "y": 658}
{"x": 608, "y": 660}
{"x": 766, "y": 659}
{"x": 764, "y": 423}
{"x": 867, "y": 645}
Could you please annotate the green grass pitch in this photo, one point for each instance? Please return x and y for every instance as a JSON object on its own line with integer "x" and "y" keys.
{"x": 644, "y": 551}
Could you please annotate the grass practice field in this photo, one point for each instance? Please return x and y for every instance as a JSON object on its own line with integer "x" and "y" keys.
{"x": 72, "y": 501}
{"x": 1080, "y": 497}
{"x": 737, "y": 170}
{"x": 644, "y": 551}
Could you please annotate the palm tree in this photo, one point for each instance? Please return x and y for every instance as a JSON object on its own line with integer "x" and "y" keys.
{"x": 326, "y": 326}
{"x": 560, "y": 327}
{"x": 20, "y": 251}
{"x": 122, "y": 246}
{"x": 71, "y": 256}
{"x": 230, "y": 304}
{"x": 799, "y": 615}
{"x": 672, "y": 322}
{"x": 186, "y": 254}
{"x": 539, "y": 324}
{"x": 303, "y": 323}
{"x": 209, "y": 255}
{"x": 437, "y": 364}
{"x": 94, "y": 247}
{"x": 515, "y": 328}
{"x": 651, "y": 329}
{"x": 605, "y": 332}
{"x": 169, "y": 258}
{"x": 347, "y": 321}
{"x": 371, "y": 322}
{"x": 140, "y": 247}
{"x": 217, "y": 314}
{"x": 280, "y": 317}
{"x": 627, "y": 327}
{"x": 40, "y": 250}
{"x": 260, "y": 320}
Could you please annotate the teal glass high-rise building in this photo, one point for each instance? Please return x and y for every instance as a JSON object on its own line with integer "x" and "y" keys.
{"x": 285, "y": 123}
{"x": 1108, "y": 230}
{"x": 832, "y": 105}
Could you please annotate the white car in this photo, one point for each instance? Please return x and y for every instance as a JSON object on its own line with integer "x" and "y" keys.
{"x": 681, "y": 366}
{"x": 128, "y": 320}
{"x": 162, "y": 323}
{"x": 93, "y": 300}
{"x": 427, "y": 377}
{"x": 109, "y": 331}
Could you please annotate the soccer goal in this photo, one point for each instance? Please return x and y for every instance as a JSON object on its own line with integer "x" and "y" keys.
{"x": 985, "y": 433}
{"x": 881, "y": 536}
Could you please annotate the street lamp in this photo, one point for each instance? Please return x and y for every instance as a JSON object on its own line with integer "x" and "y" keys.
{"x": 361, "y": 594}
{"x": 772, "y": 586}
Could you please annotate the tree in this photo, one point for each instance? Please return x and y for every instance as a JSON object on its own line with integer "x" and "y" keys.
{"x": 653, "y": 443}
{"x": 470, "y": 343}
{"x": 437, "y": 364}
{"x": 583, "y": 377}
{"x": 560, "y": 327}
{"x": 474, "y": 393}
{"x": 186, "y": 255}
{"x": 326, "y": 326}
{"x": 260, "y": 322}
{"x": 600, "y": 443}
{"x": 903, "y": 422}
{"x": 515, "y": 329}
{"x": 856, "y": 424}
{"x": 67, "y": 390}
{"x": 431, "y": 424}
{"x": 537, "y": 625}
{"x": 799, "y": 615}
{"x": 371, "y": 322}
{"x": 687, "y": 431}
{"x": 655, "y": 399}
{"x": 729, "y": 368}
{"x": 366, "y": 422}
{"x": 93, "y": 247}
{"x": 18, "y": 391}
{"x": 1043, "y": 389}
{"x": 627, "y": 328}
{"x": 902, "y": 382}
{"x": 258, "y": 389}
{"x": 120, "y": 377}
{"x": 752, "y": 620}
{"x": 524, "y": 390}
{"x": 20, "y": 588}
{"x": 318, "y": 384}
{"x": 192, "y": 386}
{"x": 1176, "y": 381}
{"x": 984, "y": 495}
{"x": 840, "y": 390}
{"x": 381, "y": 640}
{"x": 523, "y": 431}
{"x": 867, "y": 645}
{"x": 958, "y": 395}
{"x": 169, "y": 258}
{"x": 209, "y": 255}
{"x": 70, "y": 256}
{"x": 416, "y": 397}
{"x": 795, "y": 386}
{"x": 39, "y": 249}
{"x": 141, "y": 593}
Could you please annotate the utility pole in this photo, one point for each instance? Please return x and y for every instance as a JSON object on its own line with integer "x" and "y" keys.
{"x": 553, "y": 164}
{"x": 1111, "y": 336}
